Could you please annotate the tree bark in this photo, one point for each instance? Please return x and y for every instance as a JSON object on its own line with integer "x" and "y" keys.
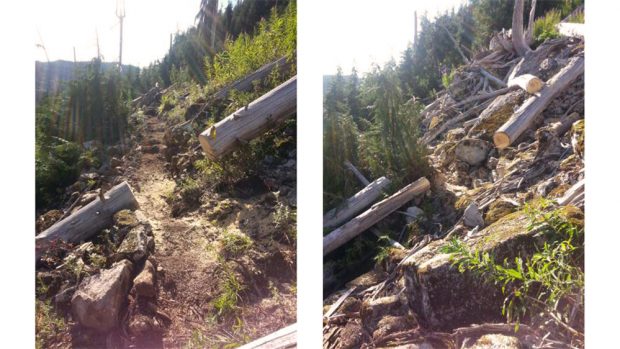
{"x": 373, "y": 215}
{"x": 247, "y": 82}
{"x": 281, "y": 339}
{"x": 355, "y": 204}
{"x": 527, "y": 82}
{"x": 526, "y": 114}
{"x": 529, "y": 34}
{"x": 518, "y": 38}
{"x": 88, "y": 220}
{"x": 251, "y": 121}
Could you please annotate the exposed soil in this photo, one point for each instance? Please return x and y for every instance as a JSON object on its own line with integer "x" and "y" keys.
{"x": 187, "y": 255}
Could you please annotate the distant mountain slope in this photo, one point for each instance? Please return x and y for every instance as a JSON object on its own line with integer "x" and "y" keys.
{"x": 49, "y": 75}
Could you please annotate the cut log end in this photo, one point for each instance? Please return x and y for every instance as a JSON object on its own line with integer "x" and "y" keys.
{"x": 501, "y": 140}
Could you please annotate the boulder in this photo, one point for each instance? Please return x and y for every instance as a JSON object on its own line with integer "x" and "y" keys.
{"x": 135, "y": 246}
{"x": 472, "y": 151}
{"x": 98, "y": 301}
{"x": 444, "y": 298}
{"x": 414, "y": 214}
{"x": 125, "y": 219}
{"x": 144, "y": 283}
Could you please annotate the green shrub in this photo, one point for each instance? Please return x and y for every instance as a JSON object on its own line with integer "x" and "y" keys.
{"x": 55, "y": 168}
{"x": 230, "y": 289}
{"x": 234, "y": 244}
{"x": 544, "y": 27}
{"x": 190, "y": 190}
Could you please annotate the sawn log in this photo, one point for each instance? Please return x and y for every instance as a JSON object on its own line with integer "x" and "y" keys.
{"x": 523, "y": 118}
{"x": 355, "y": 204}
{"x": 373, "y": 215}
{"x": 251, "y": 121}
{"x": 247, "y": 82}
{"x": 88, "y": 220}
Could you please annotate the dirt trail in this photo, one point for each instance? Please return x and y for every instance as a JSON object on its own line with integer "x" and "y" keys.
{"x": 187, "y": 257}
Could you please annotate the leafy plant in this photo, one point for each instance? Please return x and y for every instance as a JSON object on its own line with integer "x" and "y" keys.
{"x": 544, "y": 27}
{"x": 230, "y": 289}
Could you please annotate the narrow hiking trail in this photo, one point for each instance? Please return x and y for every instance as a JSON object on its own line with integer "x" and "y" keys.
{"x": 189, "y": 261}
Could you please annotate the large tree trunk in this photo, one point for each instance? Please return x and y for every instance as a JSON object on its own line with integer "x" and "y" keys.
{"x": 523, "y": 118}
{"x": 355, "y": 204}
{"x": 281, "y": 339}
{"x": 251, "y": 121}
{"x": 518, "y": 37}
{"x": 246, "y": 83}
{"x": 529, "y": 34}
{"x": 88, "y": 220}
{"x": 373, "y": 215}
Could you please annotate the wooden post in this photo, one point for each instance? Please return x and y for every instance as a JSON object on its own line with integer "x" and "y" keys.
{"x": 355, "y": 204}
{"x": 251, "y": 121}
{"x": 88, "y": 220}
{"x": 373, "y": 215}
{"x": 525, "y": 115}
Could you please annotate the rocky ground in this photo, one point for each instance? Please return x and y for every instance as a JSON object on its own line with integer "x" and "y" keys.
{"x": 416, "y": 297}
{"x": 197, "y": 265}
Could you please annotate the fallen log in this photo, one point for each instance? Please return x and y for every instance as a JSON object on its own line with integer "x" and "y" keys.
{"x": 523, "y": 118}
{"x": 574, "y": 195}
{"x": 571, "y": 29}
{"x": 374, "y": 230}
{"x": 527, "y": 82}
{"x": 373, "y": 215}
{"x": 88, "y": 220}
{"x": 246, "y": 83}
{"x": 281, "y": 339}
{"x": 251, "y": 121}
{"x": 355, "y": 204}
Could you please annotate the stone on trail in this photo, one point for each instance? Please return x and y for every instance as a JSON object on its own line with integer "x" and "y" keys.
{"x": 144, "y": 283}
{"x": 472, "y": 151}
{"x": 135, "y": 246}
{"x": 98, "y": 301}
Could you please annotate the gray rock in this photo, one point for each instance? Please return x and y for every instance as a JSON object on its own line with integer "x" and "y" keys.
{"x": 144, "y": 283}
{"x": 414, "y": 214}
{"x": 135, "y": 246}
{"x": 99, "y": 298}
{"x": 472, "y": 151}
{"x": 472, "y": 217}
